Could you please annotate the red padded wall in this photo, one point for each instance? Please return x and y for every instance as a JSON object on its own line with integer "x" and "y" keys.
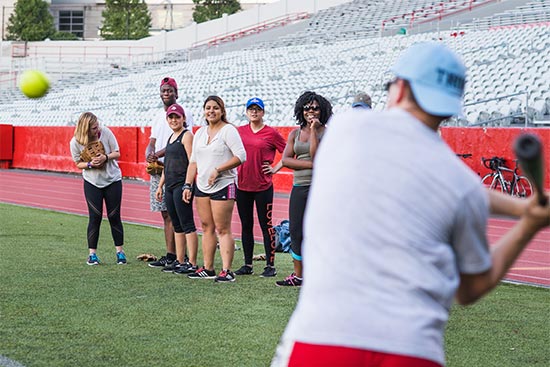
{"x": 6, "y": 145}
{"x": 47, "y": 148}
{"x": 489, "y": 142}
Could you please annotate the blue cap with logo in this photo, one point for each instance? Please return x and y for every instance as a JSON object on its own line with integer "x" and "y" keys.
{"x": 255, "y": 101}
{"x": 437, "y": 77}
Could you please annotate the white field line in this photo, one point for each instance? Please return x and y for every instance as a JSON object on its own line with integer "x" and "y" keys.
{"x": 6, "y": 362}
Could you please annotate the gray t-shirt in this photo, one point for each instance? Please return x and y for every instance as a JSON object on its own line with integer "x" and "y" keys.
{"x": 111, "y": 171}
{"x": 402, "y": 217}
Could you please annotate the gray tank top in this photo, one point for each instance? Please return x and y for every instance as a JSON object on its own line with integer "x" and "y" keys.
{"x": 302, "y": 177}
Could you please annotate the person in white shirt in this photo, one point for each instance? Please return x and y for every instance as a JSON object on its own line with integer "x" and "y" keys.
{"x": 160, "y": 133}
{"x": 405, "y": 221}
{"x": 217, "y": 151}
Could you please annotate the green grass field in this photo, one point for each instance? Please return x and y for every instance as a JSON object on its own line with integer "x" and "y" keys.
{"x": 57, "y": 311}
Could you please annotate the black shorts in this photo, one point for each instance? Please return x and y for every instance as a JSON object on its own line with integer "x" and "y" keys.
{"x": 227, "y": 193}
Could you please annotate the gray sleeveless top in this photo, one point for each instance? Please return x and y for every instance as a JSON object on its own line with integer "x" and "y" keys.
{"x": 302, "y": 177}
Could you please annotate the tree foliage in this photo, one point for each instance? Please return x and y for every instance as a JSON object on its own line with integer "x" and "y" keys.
{"x": 206, "y": 10}
{"x": 125, "y": 19}
{"x": 63, "y": 36}
{"x": 30, "y": 21}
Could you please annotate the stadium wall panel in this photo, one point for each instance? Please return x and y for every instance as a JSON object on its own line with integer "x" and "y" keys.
{"x": 489, "y": 142}
{"x": 6, "y": 145}
{"x": 47, "y": 149}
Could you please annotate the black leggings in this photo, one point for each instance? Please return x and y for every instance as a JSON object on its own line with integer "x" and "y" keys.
{"x": 180, "y": 212}
{"x": 296, "y": 210}
{"x": 264, "y": 209}
{"x": 112, "y": 195}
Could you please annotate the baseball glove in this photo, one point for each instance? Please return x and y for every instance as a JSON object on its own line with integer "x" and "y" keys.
{"x": 155, "y": 168}
{"x": 260, "y": 257}
{"x": 147, "y": 257}
{"x": 92, "y": 150}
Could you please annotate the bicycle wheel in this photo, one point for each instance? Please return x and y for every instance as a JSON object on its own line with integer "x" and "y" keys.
{"x": 492, "y": 182}
{"x": 487, "y": 180}
{"x": 523, "y": 187}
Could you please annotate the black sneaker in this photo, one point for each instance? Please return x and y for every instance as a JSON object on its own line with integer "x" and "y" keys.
{"x": 185, "y": 268}
{"x": 291, "y": 281}
{"x": 202, "y": 273}
{"x": 269, "y": 271}
{"x": 171, "y": 267}
{"x": 161, "y": 263}
{"x": 225, "y": 276}
{"x": 245, "y": 270}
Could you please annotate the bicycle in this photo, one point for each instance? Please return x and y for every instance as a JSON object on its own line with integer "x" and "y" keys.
{"x": 518, "y": 186}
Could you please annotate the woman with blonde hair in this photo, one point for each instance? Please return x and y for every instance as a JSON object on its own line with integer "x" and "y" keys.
{"x": 102, "y": 182}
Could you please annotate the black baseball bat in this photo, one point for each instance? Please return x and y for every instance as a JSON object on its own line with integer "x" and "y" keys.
{"x": 528, "y": 149}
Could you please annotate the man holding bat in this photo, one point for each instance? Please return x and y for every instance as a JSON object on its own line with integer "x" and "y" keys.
{"x": 404, "y": 222}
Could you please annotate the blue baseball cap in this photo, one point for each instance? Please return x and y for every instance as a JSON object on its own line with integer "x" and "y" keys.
{"x": 437, "y": 77}
{"x": 255, "y": 101}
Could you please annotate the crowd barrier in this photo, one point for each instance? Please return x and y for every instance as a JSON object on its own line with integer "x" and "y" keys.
{"x": 47, "y": 149}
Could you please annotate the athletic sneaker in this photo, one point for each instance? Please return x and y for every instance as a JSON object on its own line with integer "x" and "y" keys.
{"x": 93, "y": 260}
{"x": 186, "y": 268}
{"x": 225, "y": 276}
{"x": 202, "y": 273}
{"x": 120, "y": 258}
{"x": 291, "y": 281}
{"x": 171, "y": 267}
{"x": 245, "y": 270}
{"x": 160, "y": 263}
{"x": 269, "y": 271}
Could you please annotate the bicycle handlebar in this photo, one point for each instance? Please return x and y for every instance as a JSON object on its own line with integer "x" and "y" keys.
{"x": 496, "y": 163}
{"x": 493, "y": 163}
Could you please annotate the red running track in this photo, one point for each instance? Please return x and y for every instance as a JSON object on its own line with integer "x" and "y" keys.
{"x": 64, "y": 192}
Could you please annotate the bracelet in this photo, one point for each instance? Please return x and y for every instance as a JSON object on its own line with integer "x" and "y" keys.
{"x": 106, "y": 158}
{"x": 89, "y": 165}
{"x": 187, "y": 187}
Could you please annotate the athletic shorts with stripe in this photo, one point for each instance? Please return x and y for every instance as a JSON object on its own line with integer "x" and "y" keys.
{"x": 227, "y": 193}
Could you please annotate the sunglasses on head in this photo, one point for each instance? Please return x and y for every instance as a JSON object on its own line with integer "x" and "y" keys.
{"x": 311, "y": 108}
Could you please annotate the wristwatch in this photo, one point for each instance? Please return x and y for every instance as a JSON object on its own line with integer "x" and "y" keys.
{"x": 89, "y": 165}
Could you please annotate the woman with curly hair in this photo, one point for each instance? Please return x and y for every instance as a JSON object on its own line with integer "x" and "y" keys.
{"x": 312, "y": 111}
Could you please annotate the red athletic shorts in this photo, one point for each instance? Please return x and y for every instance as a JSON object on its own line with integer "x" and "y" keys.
{"x": 306, "y": 355}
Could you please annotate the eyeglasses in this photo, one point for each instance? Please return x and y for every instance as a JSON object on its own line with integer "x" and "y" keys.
{"x": 311, "y": 108}
{"x": 388, "y": 84}
{"x": 254, "y": 109}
